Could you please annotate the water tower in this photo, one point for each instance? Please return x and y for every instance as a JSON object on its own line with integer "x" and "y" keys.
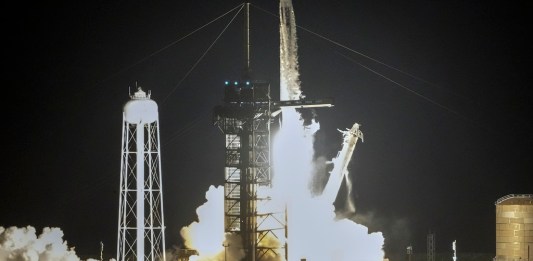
{"x": 141, "y": 229}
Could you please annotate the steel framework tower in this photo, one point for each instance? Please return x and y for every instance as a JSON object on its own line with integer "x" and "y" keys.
{"x": 141, "y": 227}
{"x": 431, "y": 247}
{"x": 245, "y": 119}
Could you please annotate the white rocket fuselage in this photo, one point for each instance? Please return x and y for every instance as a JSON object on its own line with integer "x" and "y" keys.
{"x": 341, "y": 162}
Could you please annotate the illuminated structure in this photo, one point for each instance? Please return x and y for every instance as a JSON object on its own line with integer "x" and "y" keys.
{"x": 514, "y": 227}
{"x": 245, "y": 120}
{"x": 454, "y": 247}
{"x": 340, "y": 163}
{"x": 409, "y": 253}
{"x": 430, "y": 247}
{"x": 140, "y": 219}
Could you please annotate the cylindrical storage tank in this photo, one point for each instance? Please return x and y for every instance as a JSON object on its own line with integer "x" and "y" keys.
{"x": 140, "y": 109}
{"x": 514, "y": 228}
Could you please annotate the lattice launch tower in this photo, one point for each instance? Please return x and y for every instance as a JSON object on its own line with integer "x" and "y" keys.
{"x": 245, "y": 119}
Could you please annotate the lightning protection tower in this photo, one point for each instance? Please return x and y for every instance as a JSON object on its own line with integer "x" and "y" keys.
{"x": 140, "y": 217}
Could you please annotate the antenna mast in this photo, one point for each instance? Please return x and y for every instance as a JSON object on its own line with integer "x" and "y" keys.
{"x": 247, "y": 41}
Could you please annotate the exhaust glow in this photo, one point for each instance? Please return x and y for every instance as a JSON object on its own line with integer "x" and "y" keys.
{"x": 315, "y": 233}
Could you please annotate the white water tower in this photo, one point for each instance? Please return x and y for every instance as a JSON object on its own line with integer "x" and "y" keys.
{"x": 141, "y": 229}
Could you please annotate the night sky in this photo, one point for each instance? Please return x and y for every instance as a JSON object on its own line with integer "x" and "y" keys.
{"x": 441, "y": 89}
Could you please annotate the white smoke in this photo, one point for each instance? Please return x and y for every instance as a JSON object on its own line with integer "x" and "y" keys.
{"x": 207, "y": 235}
{"x": 398, "y": 229}
{"x": 315, "y": 232}
{"x": 289, "y": 79}
{"x": 23, "y": 244}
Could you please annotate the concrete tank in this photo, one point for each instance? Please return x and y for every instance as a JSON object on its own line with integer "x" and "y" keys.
{"x": 514, "y": 228}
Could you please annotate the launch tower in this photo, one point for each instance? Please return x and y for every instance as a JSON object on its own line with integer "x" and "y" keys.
{"x": 141, "y": 226}
{"x": 245, "y": 119}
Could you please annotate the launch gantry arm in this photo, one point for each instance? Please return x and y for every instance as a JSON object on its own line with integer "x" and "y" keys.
{"x": 300, "y": 104}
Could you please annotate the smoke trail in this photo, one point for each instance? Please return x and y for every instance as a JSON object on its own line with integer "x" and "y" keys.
{"x": 290, "y": 83}
{"x": 23, "y": 244}
{"x": 315, "y": 233}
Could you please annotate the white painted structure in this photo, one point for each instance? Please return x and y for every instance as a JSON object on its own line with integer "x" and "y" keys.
{"x": 454, "y": 250}
{"x": 141, "y": 229}
{"x": 341, "y": 162}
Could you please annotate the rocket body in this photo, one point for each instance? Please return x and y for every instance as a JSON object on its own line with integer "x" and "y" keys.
{"x": 341, "y": 162}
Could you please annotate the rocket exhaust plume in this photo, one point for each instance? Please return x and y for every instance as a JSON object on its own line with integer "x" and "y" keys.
{"x": 207, "y": 236}
{"x": 340, "y": 163}
{"x": 311, "y": 217}
{"x": 315, "y": 232}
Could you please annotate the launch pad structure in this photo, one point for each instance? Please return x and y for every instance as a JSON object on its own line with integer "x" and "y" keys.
{"x": 245, "y": 118}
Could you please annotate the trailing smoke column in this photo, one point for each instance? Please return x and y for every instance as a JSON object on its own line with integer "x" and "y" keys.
{"x": 289, "y": 84}
{"x": 289, "y": 74}
{"x": 140, "y": 221}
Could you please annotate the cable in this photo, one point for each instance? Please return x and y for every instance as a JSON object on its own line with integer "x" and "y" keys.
{"x": 180, "y": 132}
{"x": 168, "y": 45}
{"x": 389, "y": 79}
{"x": 409, "y": 90}
{"x": 372, "y": 59}
{"x": 203, "y": 55}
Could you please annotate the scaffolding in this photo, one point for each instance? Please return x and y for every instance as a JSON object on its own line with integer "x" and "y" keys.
{"x": 245, "y": 120}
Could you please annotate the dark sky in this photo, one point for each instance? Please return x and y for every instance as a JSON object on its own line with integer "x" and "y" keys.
{"x": 444, "y": 105}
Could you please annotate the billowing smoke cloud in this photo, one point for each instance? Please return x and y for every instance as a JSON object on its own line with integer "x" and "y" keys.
{"x": 315, "y": 232}
{"x": 319, "y": 176}
{"x": 23, "y": 244}
{"x": 207, "y": 235}
{"x": 396, "y": 229}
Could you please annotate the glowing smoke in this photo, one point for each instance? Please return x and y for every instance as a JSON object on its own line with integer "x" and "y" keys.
{"x": 290, "y": 83}
{"x": 315, "y": 232}
{"x": 23, "y": 244}
{"x": 207, "y": 236}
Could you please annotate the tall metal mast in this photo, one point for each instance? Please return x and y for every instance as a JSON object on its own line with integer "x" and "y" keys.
{"x": 247, "y": 71}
